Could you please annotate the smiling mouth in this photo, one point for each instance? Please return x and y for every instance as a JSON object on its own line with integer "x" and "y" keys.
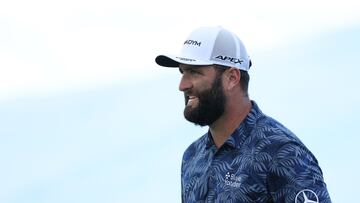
{"x": 190, "y": 100}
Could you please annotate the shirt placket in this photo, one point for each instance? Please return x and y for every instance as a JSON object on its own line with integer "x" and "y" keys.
{"x": 213, "y": 182}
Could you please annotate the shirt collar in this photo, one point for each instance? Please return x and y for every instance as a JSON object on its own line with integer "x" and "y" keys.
{"x": 209, "y": 140}
{"x": 242, "y": 132}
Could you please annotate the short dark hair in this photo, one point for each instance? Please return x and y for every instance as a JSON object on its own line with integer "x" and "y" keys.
{"x": 244, "y": 79}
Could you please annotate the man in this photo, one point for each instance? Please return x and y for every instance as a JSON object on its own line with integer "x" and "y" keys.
{"x": 246, "y": 156}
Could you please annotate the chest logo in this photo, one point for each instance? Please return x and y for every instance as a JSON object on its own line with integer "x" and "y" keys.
{"x": 306, "y": 196}
{"x": 232, "y": 180}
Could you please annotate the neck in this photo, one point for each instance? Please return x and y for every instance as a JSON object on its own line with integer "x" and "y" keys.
{"x": 234, "y": 114}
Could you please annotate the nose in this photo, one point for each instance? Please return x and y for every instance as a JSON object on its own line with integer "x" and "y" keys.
{"x": 185, "y": 83}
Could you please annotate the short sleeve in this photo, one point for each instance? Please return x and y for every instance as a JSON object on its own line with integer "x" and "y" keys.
{"x": 295, "y": 176}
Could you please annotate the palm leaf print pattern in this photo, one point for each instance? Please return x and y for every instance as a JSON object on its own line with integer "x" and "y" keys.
{"x": 262, "y": 161}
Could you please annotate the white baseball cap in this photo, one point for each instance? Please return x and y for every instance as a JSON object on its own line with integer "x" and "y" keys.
{"x": 208, "y": 46}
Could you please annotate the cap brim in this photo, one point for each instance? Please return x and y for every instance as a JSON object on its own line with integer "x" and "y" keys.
{"x": 175, "y": 61}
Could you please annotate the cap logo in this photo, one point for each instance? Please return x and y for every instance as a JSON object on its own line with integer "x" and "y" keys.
{"x": 192, "y": 42}
{"x": 185, "y": 59}
{"x": 228, "y": 58}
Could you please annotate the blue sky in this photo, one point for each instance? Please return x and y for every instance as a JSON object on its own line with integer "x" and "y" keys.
{"x": 87, "y": 116}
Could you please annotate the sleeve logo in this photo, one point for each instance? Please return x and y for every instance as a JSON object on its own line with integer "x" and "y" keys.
{"x": 306, "y": 196}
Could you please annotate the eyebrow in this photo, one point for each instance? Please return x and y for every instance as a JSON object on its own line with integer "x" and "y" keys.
{"x": 188, "y": 67}
{"x": 198, "y": 68}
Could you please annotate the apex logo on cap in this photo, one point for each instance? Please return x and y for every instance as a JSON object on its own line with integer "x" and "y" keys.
{"x": 228, "y": 58}
{"x": 192, "y": 42}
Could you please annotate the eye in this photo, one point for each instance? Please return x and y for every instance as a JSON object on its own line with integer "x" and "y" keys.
{"x": 194, "y": 72}
{"x": 190, "y": 71}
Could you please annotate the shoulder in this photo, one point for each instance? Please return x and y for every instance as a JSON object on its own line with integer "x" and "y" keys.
{"x": 276, "y": 132}
{"x": 282, "y": 143}
{"x": 293, "y": 167}
{"x": 260, "y": 126}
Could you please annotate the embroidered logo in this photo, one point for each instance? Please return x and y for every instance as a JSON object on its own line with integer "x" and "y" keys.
{"x": 232, "y": 180}
{"x": 306, "y": 196}
{"x": 192, "y": 42}
{"x": 185, "y": 59}
{"x": 230, "y": 59}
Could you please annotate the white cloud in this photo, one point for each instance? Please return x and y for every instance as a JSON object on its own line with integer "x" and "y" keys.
{"x": 48, "y": 46}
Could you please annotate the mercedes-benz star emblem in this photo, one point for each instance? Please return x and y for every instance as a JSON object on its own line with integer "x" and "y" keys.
{"x": 306, "y": 196}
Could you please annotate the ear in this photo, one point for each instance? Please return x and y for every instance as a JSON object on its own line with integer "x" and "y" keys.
{"x": 232, "y": 78}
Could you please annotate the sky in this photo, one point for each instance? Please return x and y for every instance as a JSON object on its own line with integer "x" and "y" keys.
{"x": 87, "y": 116}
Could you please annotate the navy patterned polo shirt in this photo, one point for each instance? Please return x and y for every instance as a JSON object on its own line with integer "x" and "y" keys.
{"x": 261, "y": 161}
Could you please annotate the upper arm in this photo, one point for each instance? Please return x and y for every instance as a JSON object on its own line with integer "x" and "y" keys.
{"x": 293, "y": 172}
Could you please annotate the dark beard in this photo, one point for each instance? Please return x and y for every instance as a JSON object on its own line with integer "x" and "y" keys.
{"x": 210, "y": 107}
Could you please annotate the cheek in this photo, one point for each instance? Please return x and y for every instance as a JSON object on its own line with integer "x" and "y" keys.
{"x": 226, "y": 83}
{"x": 203, "y": 86}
